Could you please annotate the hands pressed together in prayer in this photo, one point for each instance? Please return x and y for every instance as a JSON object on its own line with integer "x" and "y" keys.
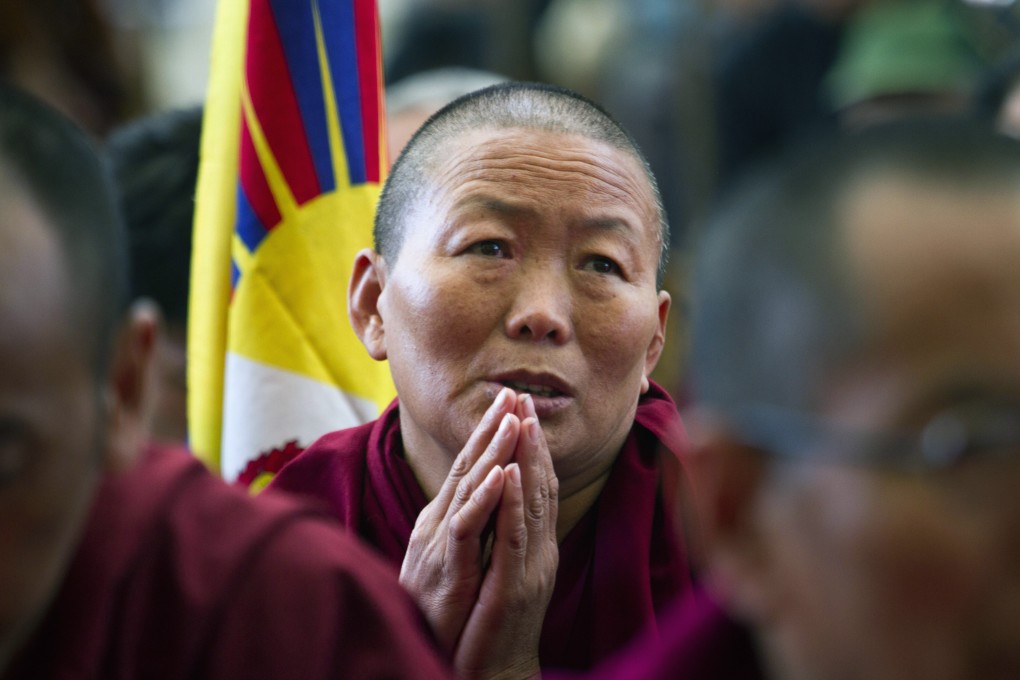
{"x": 486, "y": 605}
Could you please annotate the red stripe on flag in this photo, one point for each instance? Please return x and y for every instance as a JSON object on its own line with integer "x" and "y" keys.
{"x": 276, "y": 105}
{"x": 254, "y": 184}
{"x": 366, "y": 34}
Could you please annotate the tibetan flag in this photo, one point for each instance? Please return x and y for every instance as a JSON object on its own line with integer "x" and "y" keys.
{"x": 292, "y": 160}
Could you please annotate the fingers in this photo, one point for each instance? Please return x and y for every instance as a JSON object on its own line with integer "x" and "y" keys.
{"x": 506, "y": 577}
{"x": 443, "y": 565}
{"x": 479, "y": 442}
{"x": 502, "y": 631}
{"x": 501, "y": 636}
{"x": 526, "y": 409}
{"x": 498, "y": 452}
{"x": 468, "y": 524}
{"x": 442, "y": 569}
{"x": 510, "y": 548}
{"x": 538, "y": 477}
{"x": 525, "y": 544}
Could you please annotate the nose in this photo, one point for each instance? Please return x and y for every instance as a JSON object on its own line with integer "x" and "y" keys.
{"x": 541, "y": 310}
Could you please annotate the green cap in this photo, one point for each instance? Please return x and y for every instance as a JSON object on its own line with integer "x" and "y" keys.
{"x": 901, "y": 47}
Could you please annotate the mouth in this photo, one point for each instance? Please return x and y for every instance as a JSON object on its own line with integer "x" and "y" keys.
{"x": 550, "y": 392}
{"x": 532, "y": 389}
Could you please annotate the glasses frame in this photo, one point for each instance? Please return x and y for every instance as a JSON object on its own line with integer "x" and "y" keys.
{"x": 942, "y": 442}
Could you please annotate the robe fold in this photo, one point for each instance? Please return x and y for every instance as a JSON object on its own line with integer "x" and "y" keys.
{"x": 618, "y": 567}
{"x": 180, "y": 576}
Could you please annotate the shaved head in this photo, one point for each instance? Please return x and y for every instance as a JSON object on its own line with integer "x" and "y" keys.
{"x": 528, "y": 106}
{"x": 774, "y": 332}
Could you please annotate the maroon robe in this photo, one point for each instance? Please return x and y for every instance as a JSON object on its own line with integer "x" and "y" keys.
{"x": 618, "y": 567}
{"x": 180, "y": 576}
{"x": 695, "y": 640}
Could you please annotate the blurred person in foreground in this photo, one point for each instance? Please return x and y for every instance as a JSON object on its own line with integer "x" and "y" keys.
{"x": 514, "y": 289}
{"x": 856, "y": 451}
{"x": 119, "y": 562}
{"x": 154, "y": 162}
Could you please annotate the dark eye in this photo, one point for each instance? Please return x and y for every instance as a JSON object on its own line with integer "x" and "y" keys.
{"x": 602, "y": 265}
{"x": 973, "y": 429}
{"x": 489, "y": 249}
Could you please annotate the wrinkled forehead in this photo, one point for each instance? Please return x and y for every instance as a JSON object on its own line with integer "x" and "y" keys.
{"x": 542, "y": 166}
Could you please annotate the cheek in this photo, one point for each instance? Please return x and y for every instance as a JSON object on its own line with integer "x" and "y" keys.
{"x": 933, "y": 577}
{"x": 902, "y": 570}
{"x": 40, "y": 522}
{"x": 615, "y": 335}
{"x": 952, "y": 571}
{"x": 434, "y": 326}
{"x": 929, "y": 558}
{"x": 43, "y": 510}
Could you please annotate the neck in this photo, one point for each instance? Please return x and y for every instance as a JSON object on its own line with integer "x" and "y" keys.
{"x": 430, "y": 467}
{"x": 575, "y": 505}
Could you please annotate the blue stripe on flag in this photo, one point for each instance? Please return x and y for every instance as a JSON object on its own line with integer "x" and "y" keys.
{"x": 296, "y": 26}
{"x": 338, "y": 30}
{"x": 248, "y": 227}
{"x": 235, "y": 274}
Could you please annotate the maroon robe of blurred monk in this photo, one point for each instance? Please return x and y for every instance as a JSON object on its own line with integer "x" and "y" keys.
{"x": 181, "y": 576}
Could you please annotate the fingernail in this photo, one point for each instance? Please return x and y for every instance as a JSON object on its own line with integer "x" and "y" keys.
{"x": 513, "y": 471}
{"x": 504, "y": 426}
{"x": 492, "y": 479}
{"x": 533, "y": 428}
{"x": 502, "y": 398}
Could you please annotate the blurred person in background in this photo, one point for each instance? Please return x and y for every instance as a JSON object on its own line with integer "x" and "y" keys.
{"x": 64, "y": 52}
{"x": 410, "y": 101}
{"x": 997, "y": 98}
{"x": 155, "y": 169}
{"x": 489, "y": 35}
{"x": 803, "y": 67}
{"x": 900, "y": 58}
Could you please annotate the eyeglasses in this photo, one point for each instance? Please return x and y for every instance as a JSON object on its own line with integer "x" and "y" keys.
{"x": 950, "y": 435}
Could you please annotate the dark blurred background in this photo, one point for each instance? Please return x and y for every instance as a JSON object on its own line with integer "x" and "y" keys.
{"x": 708, "y": 87}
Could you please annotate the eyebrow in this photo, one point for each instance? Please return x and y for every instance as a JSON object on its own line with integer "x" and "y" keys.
{"x": 608, "y": 224}
{"x": 498, "y": 206}
{"x": 511, "y": 209}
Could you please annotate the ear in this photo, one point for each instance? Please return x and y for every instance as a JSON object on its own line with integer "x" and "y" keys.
{"x": 130, "y": 385}
{"x": 728, "y": 479}
{"x": 367, "y": 282}
{"x": 658, "y": 340}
